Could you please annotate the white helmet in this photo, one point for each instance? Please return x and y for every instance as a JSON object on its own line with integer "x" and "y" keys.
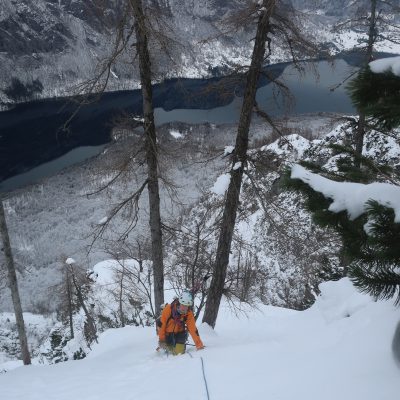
{"x": 186, "y": 299}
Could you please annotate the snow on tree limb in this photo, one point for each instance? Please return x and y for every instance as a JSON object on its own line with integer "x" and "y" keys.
{"x": 349, "y": 196}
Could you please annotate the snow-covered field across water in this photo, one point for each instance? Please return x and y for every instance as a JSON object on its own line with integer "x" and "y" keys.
{"x": 340, "y": 348}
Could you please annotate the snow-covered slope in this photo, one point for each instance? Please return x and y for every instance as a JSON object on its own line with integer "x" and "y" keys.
{"x": 338, "y": 349}
{"x": 52, "y": 220}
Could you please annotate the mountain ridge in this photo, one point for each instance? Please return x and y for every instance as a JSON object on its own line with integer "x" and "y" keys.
{"x": 48, "y": 47}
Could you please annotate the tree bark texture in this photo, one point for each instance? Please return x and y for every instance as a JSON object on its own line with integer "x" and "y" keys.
{"x": 13, "y": 283}
{"x": 120, "y": 297}
{"x": 151, "y": 152}
{"x": 372, "y": 34}
{"x": 69, "y": 297}
{"x": 240, "y": 155}
{"x": 372, "y": 31}
{"x": 91, "y": 325}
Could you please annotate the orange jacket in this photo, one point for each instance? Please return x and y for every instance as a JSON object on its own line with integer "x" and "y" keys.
{"x": 170, "y": 325}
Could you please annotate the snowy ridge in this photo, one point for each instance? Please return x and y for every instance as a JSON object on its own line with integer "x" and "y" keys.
{"x": 337, "y": 349}
{"x": 52, "y": 47}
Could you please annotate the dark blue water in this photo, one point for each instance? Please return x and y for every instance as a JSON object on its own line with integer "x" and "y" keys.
{"x": 33, "y": 143}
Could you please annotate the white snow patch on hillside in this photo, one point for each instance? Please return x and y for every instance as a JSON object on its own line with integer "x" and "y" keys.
{"x": 338, "y": 349}
{"x": 104, "y": 272}
{"x": 70, "y": 261}
{"x": 221, "y": 185}
{"x": 176, "y": 134}
{"x": 228, "y": 150}
{"x": 298, "y": 144}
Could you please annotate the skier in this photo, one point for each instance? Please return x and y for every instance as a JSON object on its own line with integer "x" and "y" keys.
{"x": 174, "y": 320}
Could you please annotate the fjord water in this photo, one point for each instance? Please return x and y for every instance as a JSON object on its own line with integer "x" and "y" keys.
{"x": 33, "y": 146}
{"x": 311, "y": 91}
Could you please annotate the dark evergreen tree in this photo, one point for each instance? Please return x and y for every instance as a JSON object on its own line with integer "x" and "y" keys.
{"x": 377, "y": 95}
{"x": 13, "y": 284}
{"x": 375, "y": 269}
{"x": 370, "y": 242}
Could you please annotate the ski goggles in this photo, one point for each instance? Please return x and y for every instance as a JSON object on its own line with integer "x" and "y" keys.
{"x": 183, "y": 309}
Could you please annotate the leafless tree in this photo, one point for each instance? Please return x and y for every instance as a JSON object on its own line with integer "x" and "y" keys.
{"x": 245, "y": 275}
{"x": 134, "y": 284}
{"x": 13, "y": 284}
{"x": 68, "y": 292}
{"x": 189, "y": 243}
{"x": 65, "y": 291}
{"x": 139, "y": 30}
{"x": 151, "y": 152}
{"x": 78, "y": 282}
{"x": 274, "y": 19}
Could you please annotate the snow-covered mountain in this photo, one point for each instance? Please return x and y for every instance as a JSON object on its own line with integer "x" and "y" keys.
{"x": 47, "y": 47}
{"x": 340, "y": 348}
{"x": 53, "y": 219}
{"x": 279, "y": 257}
{"x": 330, "y": 8}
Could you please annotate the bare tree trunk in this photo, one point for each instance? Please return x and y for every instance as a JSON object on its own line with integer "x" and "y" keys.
{"x": 121, "y": 289}
{"x": 194, "y": 264}
{"x": 151, "y": 153}
{"x": 140, "y": 261}
{"x": 90, "y": 321}
{"x": 359, "y": 137}
{"x": 240, "y": 155}
{"x": 238, "y": 265}
{"x": 69, "y": 296}
{"x": 13, "y": 283}
{"x": 372, "y": 34}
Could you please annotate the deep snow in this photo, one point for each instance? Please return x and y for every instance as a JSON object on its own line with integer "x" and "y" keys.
{"x": 340, "y": 348}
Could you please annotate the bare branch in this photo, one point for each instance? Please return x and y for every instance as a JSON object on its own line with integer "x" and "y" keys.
{"x": 131, "y": 202}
